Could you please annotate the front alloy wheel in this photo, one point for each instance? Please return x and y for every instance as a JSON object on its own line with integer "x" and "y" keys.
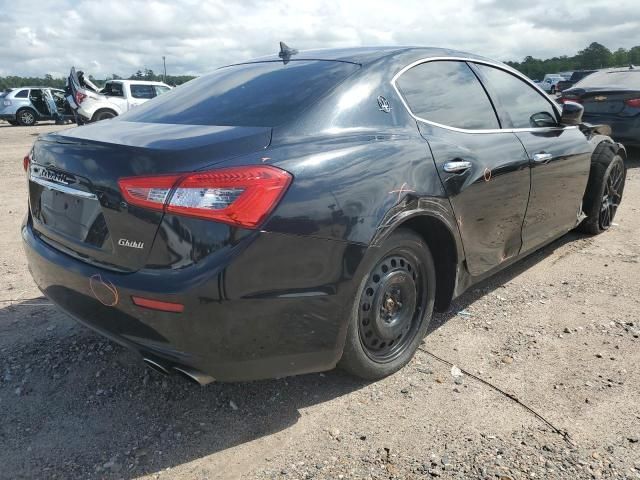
{"x": 612, "y": 195}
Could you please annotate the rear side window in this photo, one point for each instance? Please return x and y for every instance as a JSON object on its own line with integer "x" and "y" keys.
{"x": 447, "y": 93}
{"x": 22, "y": 94}
{"x": 525, "y": 106}
{"x": 160, "y": 89}
{"x": 263, "y": 94}
{"x": 142, "y": 91}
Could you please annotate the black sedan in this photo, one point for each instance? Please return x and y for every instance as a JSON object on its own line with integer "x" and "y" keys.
{"x": 307, "y": 210}
{"x": 611, "y": 97}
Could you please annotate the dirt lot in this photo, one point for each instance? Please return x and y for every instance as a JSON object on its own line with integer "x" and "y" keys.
{"x": 558, "y": 331}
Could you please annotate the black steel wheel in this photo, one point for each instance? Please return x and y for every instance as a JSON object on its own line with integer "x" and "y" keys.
{"x": 604, "y": 190}
{"x": 393, "y": 308}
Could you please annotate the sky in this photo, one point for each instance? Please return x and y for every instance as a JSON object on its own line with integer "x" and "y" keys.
{"x": 122, "y": 36}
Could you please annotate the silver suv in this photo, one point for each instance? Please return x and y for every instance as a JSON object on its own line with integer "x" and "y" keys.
{"x": 26, "y": 105}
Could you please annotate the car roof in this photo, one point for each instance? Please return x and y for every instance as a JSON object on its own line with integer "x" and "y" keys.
{"x": 28, "y": 87}
{"x": 367, "y": 55}
{"x": 137, "y": 82}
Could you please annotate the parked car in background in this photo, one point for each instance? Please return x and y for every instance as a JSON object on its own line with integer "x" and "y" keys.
{"x": 575, "y": 77}
{"x": 288, "y": 214}
{"x": 549, "y": 82}
{"x": 92, "y": 104}
{"x": 611, "y": 97}
{"x": 27, "y": 105}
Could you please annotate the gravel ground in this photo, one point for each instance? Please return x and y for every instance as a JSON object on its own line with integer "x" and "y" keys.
{"x": 558, "y": 331}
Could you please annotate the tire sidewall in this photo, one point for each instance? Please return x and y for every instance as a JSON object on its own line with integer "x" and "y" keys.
{"x": 603, "y": 185}
{"x": 354, "y": 358}
{"x": 104, "y": 115}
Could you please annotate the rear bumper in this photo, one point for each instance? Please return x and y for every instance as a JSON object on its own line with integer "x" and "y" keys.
{"x": 277, "y": 306}
{"x": 8, "y": 116}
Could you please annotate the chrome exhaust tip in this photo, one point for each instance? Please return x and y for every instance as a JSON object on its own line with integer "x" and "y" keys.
{"x": 155, "y": 366}
{"x": 200, "y": 378}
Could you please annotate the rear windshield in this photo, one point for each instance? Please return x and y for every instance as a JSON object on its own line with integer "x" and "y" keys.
{"x": 262, "y": 94}
{"x": 621, "y": 79}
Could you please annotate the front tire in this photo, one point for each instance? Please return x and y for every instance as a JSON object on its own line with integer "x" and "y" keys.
{"x": 604, "y": 191}
{"x": 26, "y": 117}
{"x": 393, "y": 308}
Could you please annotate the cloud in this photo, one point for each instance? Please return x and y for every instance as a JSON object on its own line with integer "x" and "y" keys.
{"x": 122, "y": 36}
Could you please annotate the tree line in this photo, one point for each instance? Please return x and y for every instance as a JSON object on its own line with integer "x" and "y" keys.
{"x": 593, "y": 57}
{"x": 48, "y": 80}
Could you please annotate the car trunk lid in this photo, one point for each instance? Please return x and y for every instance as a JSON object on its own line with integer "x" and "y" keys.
{"x": 75, "y": 202}
{"x": 603, "y": 101}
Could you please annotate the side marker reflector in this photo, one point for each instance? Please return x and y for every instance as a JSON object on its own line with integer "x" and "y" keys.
{"x": 158, "y": 305}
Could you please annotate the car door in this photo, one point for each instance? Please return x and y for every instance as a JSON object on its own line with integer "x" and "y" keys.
{"x": 37, "y": 100}
{"x": 140, "y": 93}
{"x": 484, "y": 170}
{"x": 559, "y": 156}
{"x": 116, "y": 94}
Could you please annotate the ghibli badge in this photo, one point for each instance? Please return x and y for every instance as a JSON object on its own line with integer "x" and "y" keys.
{"x": 123, "y": 242}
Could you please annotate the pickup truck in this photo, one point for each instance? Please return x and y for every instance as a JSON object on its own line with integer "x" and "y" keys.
{"x": 91, "y": 103}
{"x": 549, "y": 83}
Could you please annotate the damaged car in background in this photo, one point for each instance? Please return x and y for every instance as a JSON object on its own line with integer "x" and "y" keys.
{"x": 91, "y": 103}
{"x": 308, "y": 209}
{"x": 27, "y": 105}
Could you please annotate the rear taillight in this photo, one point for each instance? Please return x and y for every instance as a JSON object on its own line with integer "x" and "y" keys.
{"x": 633, "y": 102}
{"x": 26, "y": 161}
{"x": 241, "y": 196}
{"x": 79, "y": 97}
{"x": 571, "y": 99}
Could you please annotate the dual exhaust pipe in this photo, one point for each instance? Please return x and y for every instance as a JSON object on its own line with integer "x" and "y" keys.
{"x": 189, "y": 373}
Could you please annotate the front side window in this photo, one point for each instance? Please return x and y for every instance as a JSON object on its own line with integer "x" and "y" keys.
{"x": 142, "y": 91}
{"x": 524, "y": 105}
{"x": 447, "y": 93}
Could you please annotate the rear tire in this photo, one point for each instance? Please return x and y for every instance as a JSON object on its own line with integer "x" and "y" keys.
{"x": 604, "y": 191}
{"x": 392, "y": 309}
{"x": 103, "y": 115}
{"x": 26, "y": 117}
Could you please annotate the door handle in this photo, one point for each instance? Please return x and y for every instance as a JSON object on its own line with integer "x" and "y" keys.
{"x": 457, "y": 166}
{"x": 542, "y": 157}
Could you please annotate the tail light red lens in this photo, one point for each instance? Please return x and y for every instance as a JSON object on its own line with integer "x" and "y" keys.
{"x": 633, "y": 102}
{"x": 241, "y": 196}
{"x": 26, "y": 161}
{"x": 569, "y": 99}
{"x": 79, "y": 96}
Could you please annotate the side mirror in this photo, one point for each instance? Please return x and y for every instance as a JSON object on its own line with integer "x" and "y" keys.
{"x": 542, "y": 119}
{"x": 571, "y": 113}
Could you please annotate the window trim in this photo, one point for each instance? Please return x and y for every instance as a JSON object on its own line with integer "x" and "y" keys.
{"x": 467, "y": 60}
